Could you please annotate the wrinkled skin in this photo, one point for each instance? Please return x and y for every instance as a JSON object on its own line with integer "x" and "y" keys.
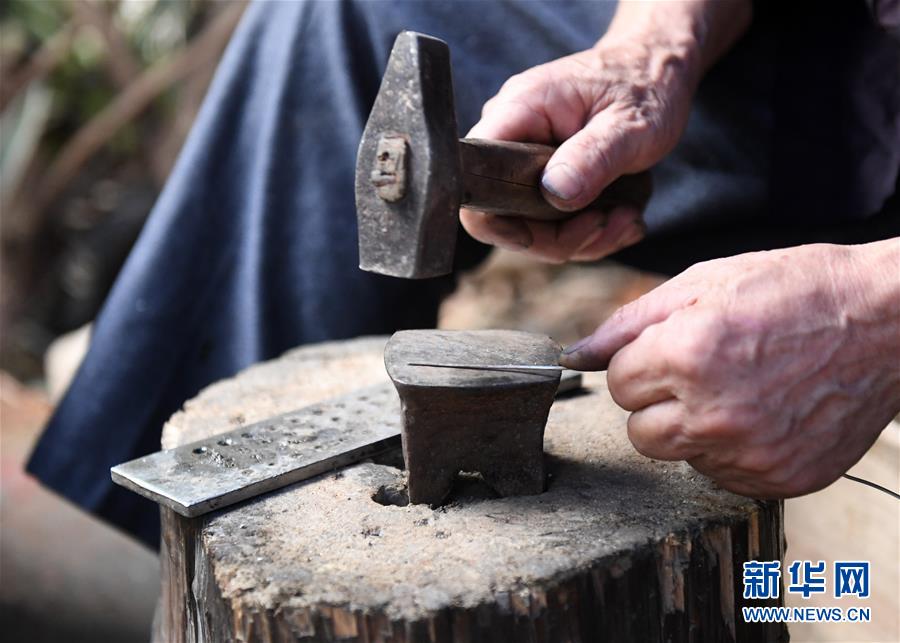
{"x": 618, "y": 108}
{"x": 771, "y": 372}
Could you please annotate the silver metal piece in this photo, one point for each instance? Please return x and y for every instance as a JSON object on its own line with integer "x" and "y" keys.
{"x": 569, "y": 381}
{"x": 196, "y": 478}
{"x": 495, "y": 367}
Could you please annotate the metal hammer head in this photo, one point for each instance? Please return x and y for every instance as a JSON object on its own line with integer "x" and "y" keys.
{"x": 408, "y": 167}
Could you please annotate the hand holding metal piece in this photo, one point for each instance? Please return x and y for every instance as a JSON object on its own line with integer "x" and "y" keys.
{"x": 494, "y": 367}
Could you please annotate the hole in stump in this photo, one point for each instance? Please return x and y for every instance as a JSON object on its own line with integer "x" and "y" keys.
{"x": 394, "y": 494}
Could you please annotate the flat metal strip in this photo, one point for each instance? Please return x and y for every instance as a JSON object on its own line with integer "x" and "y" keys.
{"x": 196, "y": 478}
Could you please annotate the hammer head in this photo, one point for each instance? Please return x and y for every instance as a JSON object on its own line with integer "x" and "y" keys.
{"x": 408, "y": 166}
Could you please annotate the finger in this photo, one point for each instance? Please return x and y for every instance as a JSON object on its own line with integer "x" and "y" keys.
{"x": 590, "y": 160}
{"x": 550, "y": 241}
{"x": 509, "y": 233}
{"x": 637, "y": 377}
{"x": 658, "y": 431}
{"x": 594, "y": 352}
{"x": 513, "y": 119}
{"x": 624, "y": 227}
{"x": 532, "y": 107}
{"x": 558, "y": 241}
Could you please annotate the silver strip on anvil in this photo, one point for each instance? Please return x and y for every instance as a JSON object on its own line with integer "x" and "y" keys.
{"x": 495, "y": 367}
{"x": 196, "y": 478}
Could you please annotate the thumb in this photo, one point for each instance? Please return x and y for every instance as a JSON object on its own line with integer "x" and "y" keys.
{"x": 511, "y": 120}
{"x": 590, "y": 160}
{"x": 594, "y": 352}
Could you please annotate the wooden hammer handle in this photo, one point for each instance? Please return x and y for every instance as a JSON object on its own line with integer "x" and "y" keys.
{"x": 504, "y": 178}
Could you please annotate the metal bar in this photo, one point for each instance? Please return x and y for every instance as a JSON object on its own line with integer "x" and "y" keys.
{"x": 494, "y": 367}
{"x": 196, "y": 478}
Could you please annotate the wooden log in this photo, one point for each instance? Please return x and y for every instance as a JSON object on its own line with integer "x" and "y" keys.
{"x": 619, "y": 547}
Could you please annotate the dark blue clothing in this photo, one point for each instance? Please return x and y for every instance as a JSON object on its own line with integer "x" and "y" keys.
{"x": 251, "y": 248}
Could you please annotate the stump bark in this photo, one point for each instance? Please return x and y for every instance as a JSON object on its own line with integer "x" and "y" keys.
{"x": 619, "y": 547}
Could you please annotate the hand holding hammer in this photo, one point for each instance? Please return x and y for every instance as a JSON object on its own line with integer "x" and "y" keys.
{"x": 413, "y": 172}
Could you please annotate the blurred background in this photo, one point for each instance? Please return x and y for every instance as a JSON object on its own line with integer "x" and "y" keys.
{"x": 96, "y": 98}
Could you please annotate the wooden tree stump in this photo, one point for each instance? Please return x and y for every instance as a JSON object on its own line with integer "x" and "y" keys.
{"x": 619, "y": 548}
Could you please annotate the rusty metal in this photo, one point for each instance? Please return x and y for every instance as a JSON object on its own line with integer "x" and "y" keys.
{"x": 389, "y": 174}
{"x": 415, "y": 236}
{"x": 475, "y": 420}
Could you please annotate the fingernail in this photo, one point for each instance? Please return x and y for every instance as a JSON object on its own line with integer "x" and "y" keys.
{"x": 577, "y": 346}
{"x": 562, "y": 181}
{"x": 632, "y": 234}
{"x": 512, "y": 236}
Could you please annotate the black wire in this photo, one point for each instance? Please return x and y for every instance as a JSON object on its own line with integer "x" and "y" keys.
{"x": 873, "y": 485}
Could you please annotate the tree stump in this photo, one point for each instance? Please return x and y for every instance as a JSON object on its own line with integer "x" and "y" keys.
{"x": 619, "y": 547}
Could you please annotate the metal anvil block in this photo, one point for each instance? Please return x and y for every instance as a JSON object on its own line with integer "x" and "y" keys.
{"x": 465, "y": 419}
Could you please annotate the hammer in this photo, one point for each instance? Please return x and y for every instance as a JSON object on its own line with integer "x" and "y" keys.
{"x": 413, "y": 172}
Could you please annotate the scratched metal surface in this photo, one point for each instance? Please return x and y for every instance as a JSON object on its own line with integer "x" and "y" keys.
{"x": 196, "y": 478}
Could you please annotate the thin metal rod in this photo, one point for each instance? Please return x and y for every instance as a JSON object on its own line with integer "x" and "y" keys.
{"x": 494, "y": 367}
{"x": 869, "y": 483}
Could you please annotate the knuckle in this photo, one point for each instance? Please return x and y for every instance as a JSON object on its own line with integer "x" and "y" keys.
{"x": 696, "y": 355}
{"x": 759, "y": 463}
{"x": 516, "y": 83}
{"x": 638, "y": 122}
{"x": 634, "y": 311}
{"x": 659, "y": 441}
{"x": 723, "y": 424}
{"x": 707, "y": 428}
{"x": 488, "y": 106}
{"x": 684, "y": 362}
{"x": 617, "y": 384}
{"x": 593, "y": 151}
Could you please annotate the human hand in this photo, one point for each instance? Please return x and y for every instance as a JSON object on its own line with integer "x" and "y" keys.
{"x": 770, "y": 372}
{"x": 617, "y": 108}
